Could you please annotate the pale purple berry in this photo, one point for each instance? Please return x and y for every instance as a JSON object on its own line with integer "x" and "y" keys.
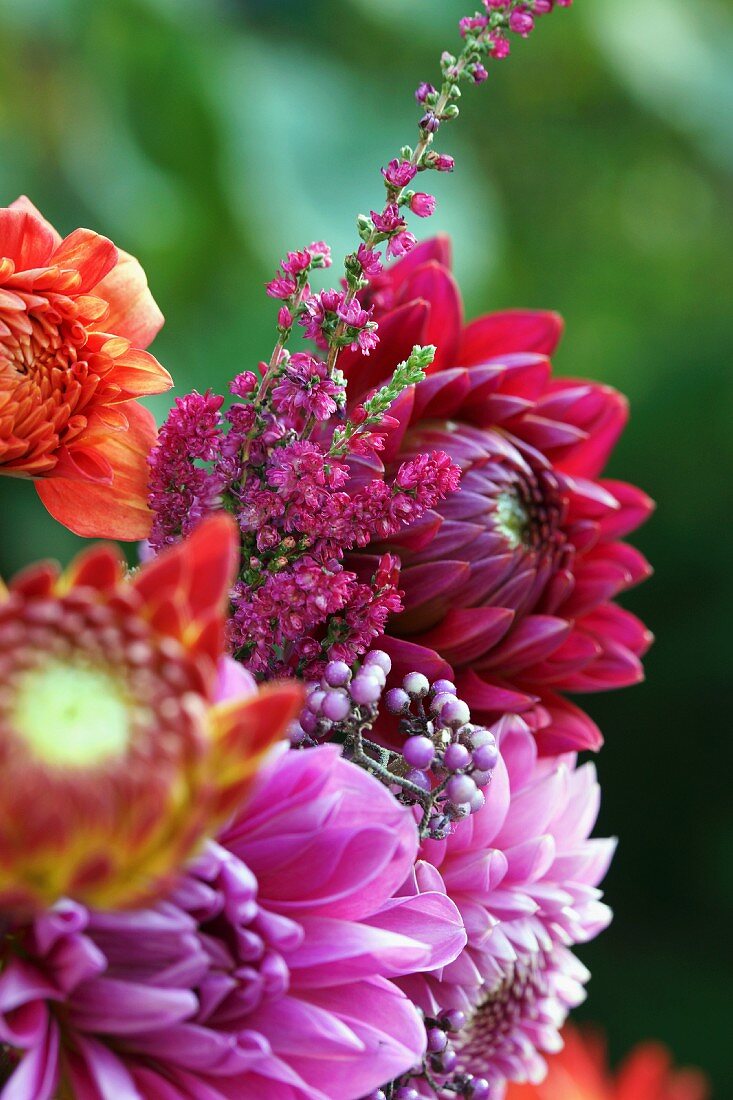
{"x": 460, "y": 789}
{"x": 486, "y": 756}
{"x": 315, "y": 700}
{"x": 444, "y": 685}
{"x": 455, "y": 1020}
{"x": 455, "y": 713}
{"x": 419, "y": 778}
{"x": 480, "y": 778}
{"x": 365, "y": 689}
{"x": 437, "y": 1040}
{"x": 456, "y": 756}
{"x": 397, "y": 701}
{"x": 309, "y": 721}
{"x": 416, "y": 685}
{"x": 336, "y": 706}
{"x": 296, "y": 733}
{"x": 337, "y": 674}
{"x": 477, "y": 802}
{"x": 419, "y": 752}
{"x": 407, "y": 1092}
{"x": 380, "y": 659}
{"x": 479, "y": 1089}
{"x": 439, "y": 701}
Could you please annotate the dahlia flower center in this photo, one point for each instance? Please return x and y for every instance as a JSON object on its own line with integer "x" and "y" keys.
{"x": 34, "y": 342}
{"x": 493, "y": 1024}
{"x": 71, "y": 714}
{"x": 513, "y": 519}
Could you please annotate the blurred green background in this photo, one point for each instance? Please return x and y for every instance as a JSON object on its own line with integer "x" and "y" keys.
{"x": 594, "y": 178}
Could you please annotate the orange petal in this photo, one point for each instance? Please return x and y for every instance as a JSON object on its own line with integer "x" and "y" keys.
{"x": 133, "y": 311}
{"x": 119, "y": 511}
{"x": 23, "y": 203}
{"x": 139, "y": 373}
{"x": 89, "y": 254}
{"x": 25, "y": 239}
{"x": 194, "y": 577}
{"x": 101, "y": 567}
{"x": 245, "y": 730}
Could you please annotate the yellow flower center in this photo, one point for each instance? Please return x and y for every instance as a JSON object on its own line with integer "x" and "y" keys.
{"x": 72, "y": 714}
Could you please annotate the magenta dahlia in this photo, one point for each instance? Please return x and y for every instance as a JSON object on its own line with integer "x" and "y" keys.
{"x": 512, "y": 580}
{"x": 266, "y": 974}
{"x": 525, "y": 877}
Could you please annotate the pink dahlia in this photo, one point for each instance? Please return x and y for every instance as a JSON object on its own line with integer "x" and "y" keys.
{"x": 524, "y": 876}
{"x": 266, "y": 974}
{"x": 512, "y": 580}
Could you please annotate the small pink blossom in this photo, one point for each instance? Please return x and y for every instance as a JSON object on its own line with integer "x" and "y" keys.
{"x": 521, "y": 22}
{"x": 371, "y": 261}
{"x": 399, "y": 173}
{"x": 282, "y": 286}
{"x": 423, "y": 205}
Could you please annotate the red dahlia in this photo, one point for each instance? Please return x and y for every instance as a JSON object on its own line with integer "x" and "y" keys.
{"x": 512, "y": 580}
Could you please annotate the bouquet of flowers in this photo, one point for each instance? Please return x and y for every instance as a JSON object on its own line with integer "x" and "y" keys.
{"x": 293, "y": 809}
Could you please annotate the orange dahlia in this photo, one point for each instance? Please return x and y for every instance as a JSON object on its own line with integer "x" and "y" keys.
{"x": 75, "y": 316}
{"x": 125, "y": 735}
{"x": 579, "y": 1072}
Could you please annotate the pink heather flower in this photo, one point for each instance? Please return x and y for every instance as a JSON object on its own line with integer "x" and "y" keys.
{"x": 479, "y": 73}
{"x": 282, "y": 287}
{"x": 390, "y": 220}
{"x": 443, "y": 162}
{"x": 524, "y": 876}
{"x": 423, "y": 91}
{"x": 401, "y": 243}
{"x": 521, "y": 22}
{"x": 500, "y": 45}
{"x": 423, "y": 205}
{"x": 306, "y": 389}
{"x": 512, "y": 580}
{"x": 284, "y": 318}
{"x": 399, "y": 173}
{"x": 319, "y": 250}
{"x": 268, "y": 973}
{"x": 371, "y": 261}
{"x": 297, "y": 262}
{"x": 472, "y": 23}
{"x": 183, "y": 488}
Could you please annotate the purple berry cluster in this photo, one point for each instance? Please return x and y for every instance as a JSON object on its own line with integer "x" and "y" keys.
{"x": 446, "y": 760}
{"x": 342, "y": 701}
{"x": 439, "y": 1067}
{"x": 445, "y": 754}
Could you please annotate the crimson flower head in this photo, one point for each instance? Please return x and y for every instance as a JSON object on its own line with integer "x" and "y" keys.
{"x": 512, "y": 580}
{"x": 75, "y": 317}
{"x": 125, "y": 738}
{"x": 579, "y": 1072}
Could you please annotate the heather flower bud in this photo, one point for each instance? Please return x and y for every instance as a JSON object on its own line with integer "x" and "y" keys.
{"x": 423, "y": 205}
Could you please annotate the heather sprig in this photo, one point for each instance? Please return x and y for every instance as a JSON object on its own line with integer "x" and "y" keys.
{"x": 372, "y": 411}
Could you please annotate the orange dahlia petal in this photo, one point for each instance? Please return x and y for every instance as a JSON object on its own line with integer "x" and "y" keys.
{"x": 119, "y": 511}
{"x": 132, "y": 309}
{"x": 23, "y": 203}
{"x": 25, "y": 239}
{"x": 139, "y": 374}
{"x": 186, "y": 589}
{"x": 85, "y": 251}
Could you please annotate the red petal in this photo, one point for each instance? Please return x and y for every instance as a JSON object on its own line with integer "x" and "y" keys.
{"x": 102, "y": 568}
{"x": 119, "y": 511}
{"x": 24, "y": 204}
{"x": 437, "y": 250}
{"x": 513, "y": 330}
{"x": 435, "y": 285}
{"x": 89, "y": 254}
{"x": 469, "y": 633}
{"x": 185, "y": 588}
{"x": 25, "y": 239}
{"x": 569, "y": 730}
{"x": 133, "y": 312}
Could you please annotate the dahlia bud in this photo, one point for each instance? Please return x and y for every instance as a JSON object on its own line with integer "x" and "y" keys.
{"x": 125, "y": 737}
